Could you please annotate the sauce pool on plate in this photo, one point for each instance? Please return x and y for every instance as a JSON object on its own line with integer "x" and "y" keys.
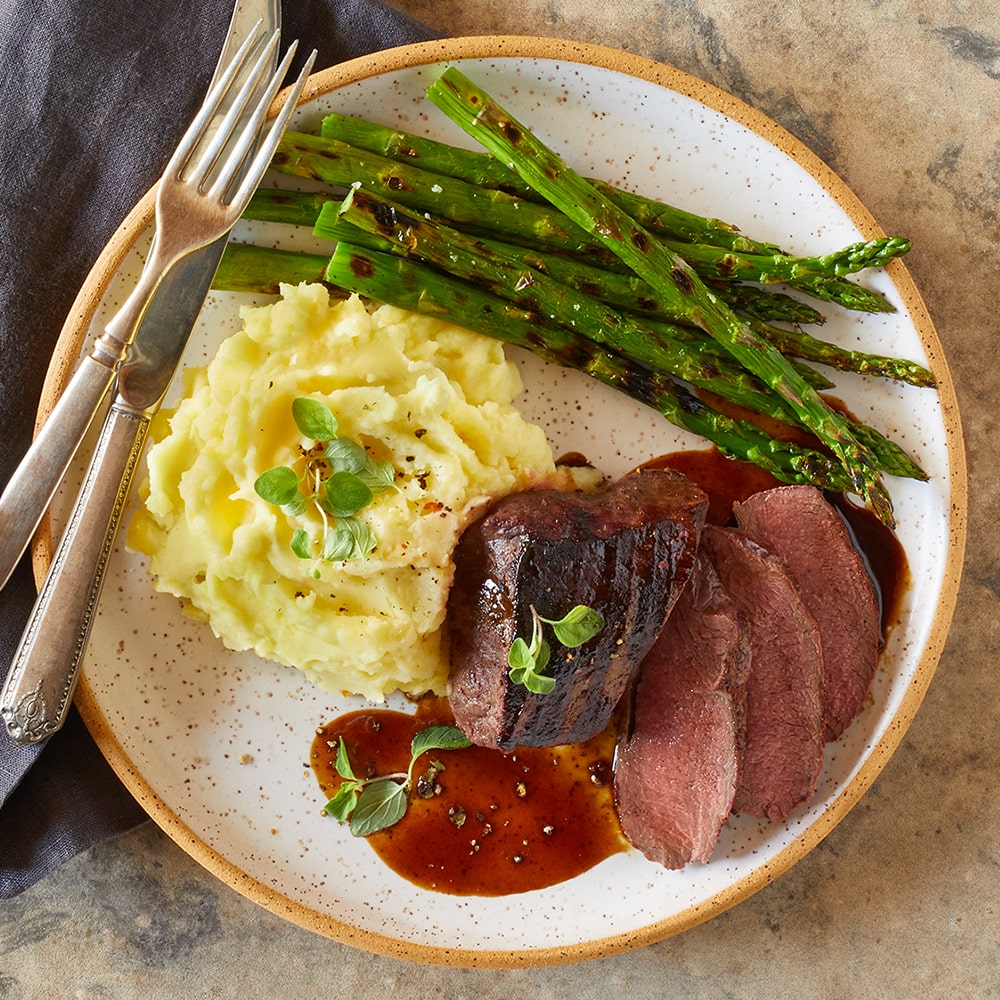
{"x": 491, "y": 823}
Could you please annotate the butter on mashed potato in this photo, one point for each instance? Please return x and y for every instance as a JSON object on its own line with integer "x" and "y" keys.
{"x": 433, "y": 399}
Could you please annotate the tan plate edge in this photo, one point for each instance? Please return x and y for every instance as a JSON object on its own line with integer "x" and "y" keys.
{"x": 74, "y": 334}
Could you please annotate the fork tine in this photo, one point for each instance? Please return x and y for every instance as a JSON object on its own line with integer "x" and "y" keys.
{"x": 235, "y": 119}
{"x": 249, "y": 128}
{"x": 210, "y": 108}
{"x": 266, "y": 151}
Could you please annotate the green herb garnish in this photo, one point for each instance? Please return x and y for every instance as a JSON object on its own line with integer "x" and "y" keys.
{"x": 340, "y": 478}
{"x": 372, "y": 804}
{"x": 529, "y": 658}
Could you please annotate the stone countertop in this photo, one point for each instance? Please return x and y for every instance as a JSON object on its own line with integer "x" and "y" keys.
{"x": 900, "y": 900}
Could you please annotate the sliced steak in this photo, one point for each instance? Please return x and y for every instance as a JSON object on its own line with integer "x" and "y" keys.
{"x": 626, "y": 550}
{"x": 783, "y": 737}
{"x": 799, "y": 526}
{"x": 677, "y": 763}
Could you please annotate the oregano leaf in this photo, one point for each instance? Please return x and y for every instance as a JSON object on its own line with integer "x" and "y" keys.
{"x": 364, "y": 537}
{"x": 378, "y": 474}
{"x": 579, "y": 625}
{"x": 344, "y": 802}
{"x": 345, "y": 494}
{"x": 345, "y": 455}
{"x": 381, "y": 804}
{"x": 339, "y": 544}
{"x": 343, "y": 762}
{"x": 279, "y": 485}
{"x": 314, "y": 419}
{"x": 353, "y": 481}
{"x": 438, "y": 738}
{"x": 296, "y": 508}
{"x": 373, "y": 804}
{"x": 542, "y": 656}
{"x": 302, "y": 544}
{"x": 538, "y": 683}
{"x": 527, "y": 661}
{"x": 350, "y": 539}
{"x": 519, "y": 657}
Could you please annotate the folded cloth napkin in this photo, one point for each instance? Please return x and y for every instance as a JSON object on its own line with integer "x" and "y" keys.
{"x": 92, "y": 101}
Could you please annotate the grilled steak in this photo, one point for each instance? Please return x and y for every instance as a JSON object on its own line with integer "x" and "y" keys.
{"x": 784, "y": 733}
{"x": 677, "y": 762}
{"x": 626, "y": 550}
{"x": 799, "y": 526}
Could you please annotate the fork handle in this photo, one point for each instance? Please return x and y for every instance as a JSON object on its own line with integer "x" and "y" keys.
{"x": 34, "y": 482}
{"x": 29, "y": 491}
{"x": 40, "y": 685}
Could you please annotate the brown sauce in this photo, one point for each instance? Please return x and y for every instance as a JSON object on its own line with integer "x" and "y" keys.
{"x": 502, "y": 823}
{"x": 497, "y": 823}
{"x": 727, "y": 482}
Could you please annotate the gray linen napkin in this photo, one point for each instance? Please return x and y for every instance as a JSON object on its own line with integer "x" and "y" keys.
{"x": 93, "y": 97}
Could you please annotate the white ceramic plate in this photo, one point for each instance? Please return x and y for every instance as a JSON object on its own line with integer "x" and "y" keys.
{"x": 215, "y": 745}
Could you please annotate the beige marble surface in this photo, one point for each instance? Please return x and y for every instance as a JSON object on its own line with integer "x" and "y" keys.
{"x": 901, "y": 900}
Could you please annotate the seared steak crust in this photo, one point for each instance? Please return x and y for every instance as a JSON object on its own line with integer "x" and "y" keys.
{"x": 626, "y": 551}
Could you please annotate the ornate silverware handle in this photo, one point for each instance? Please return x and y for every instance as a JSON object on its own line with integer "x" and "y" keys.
{"x": 39, "y": 687}
{"x": 37, "y": 477}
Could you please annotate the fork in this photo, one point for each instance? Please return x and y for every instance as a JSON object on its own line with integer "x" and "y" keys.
{"x": 203, "y": 192}
{"x": 188, "y": 215}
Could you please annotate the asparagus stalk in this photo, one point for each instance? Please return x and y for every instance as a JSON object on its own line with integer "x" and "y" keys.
{"x": 293, "y": 208}
{"x": 246, "y": 267}
{"x": 538, "y": 225}
{"x": 664, "y": 220}
{"x": 624, "y": 291}
{"x": 828, "y": 288}
{"x": 485, "y": 171}
{"x": 508, "y": 140}
{"x": 892, "y": 459}
{"x": 844, "y": 293}
{"x": 712, "y": 263}
{"x": 796, "y": 343}
{"x": 767, "y": 305}
{"x": 472, "y": 166}
{"x": 419, "y": 288}
{"x": 342, "y": 166}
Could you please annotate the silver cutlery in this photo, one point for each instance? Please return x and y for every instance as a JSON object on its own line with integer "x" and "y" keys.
{"x": 169, "y": 312}
{"x": 201, "y": 195}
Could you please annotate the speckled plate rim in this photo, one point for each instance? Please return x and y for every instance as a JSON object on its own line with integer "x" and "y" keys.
{"x": 75, "y": 331}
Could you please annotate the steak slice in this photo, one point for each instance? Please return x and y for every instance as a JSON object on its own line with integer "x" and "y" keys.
{"x": 783, "y": 737}
{"x": 803, "y": 529}
{"x": 678, "y": 756}
{"x": 626, "y": 551}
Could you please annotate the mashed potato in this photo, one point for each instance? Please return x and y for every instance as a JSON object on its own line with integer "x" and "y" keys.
{"x": 431, "y": 398}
